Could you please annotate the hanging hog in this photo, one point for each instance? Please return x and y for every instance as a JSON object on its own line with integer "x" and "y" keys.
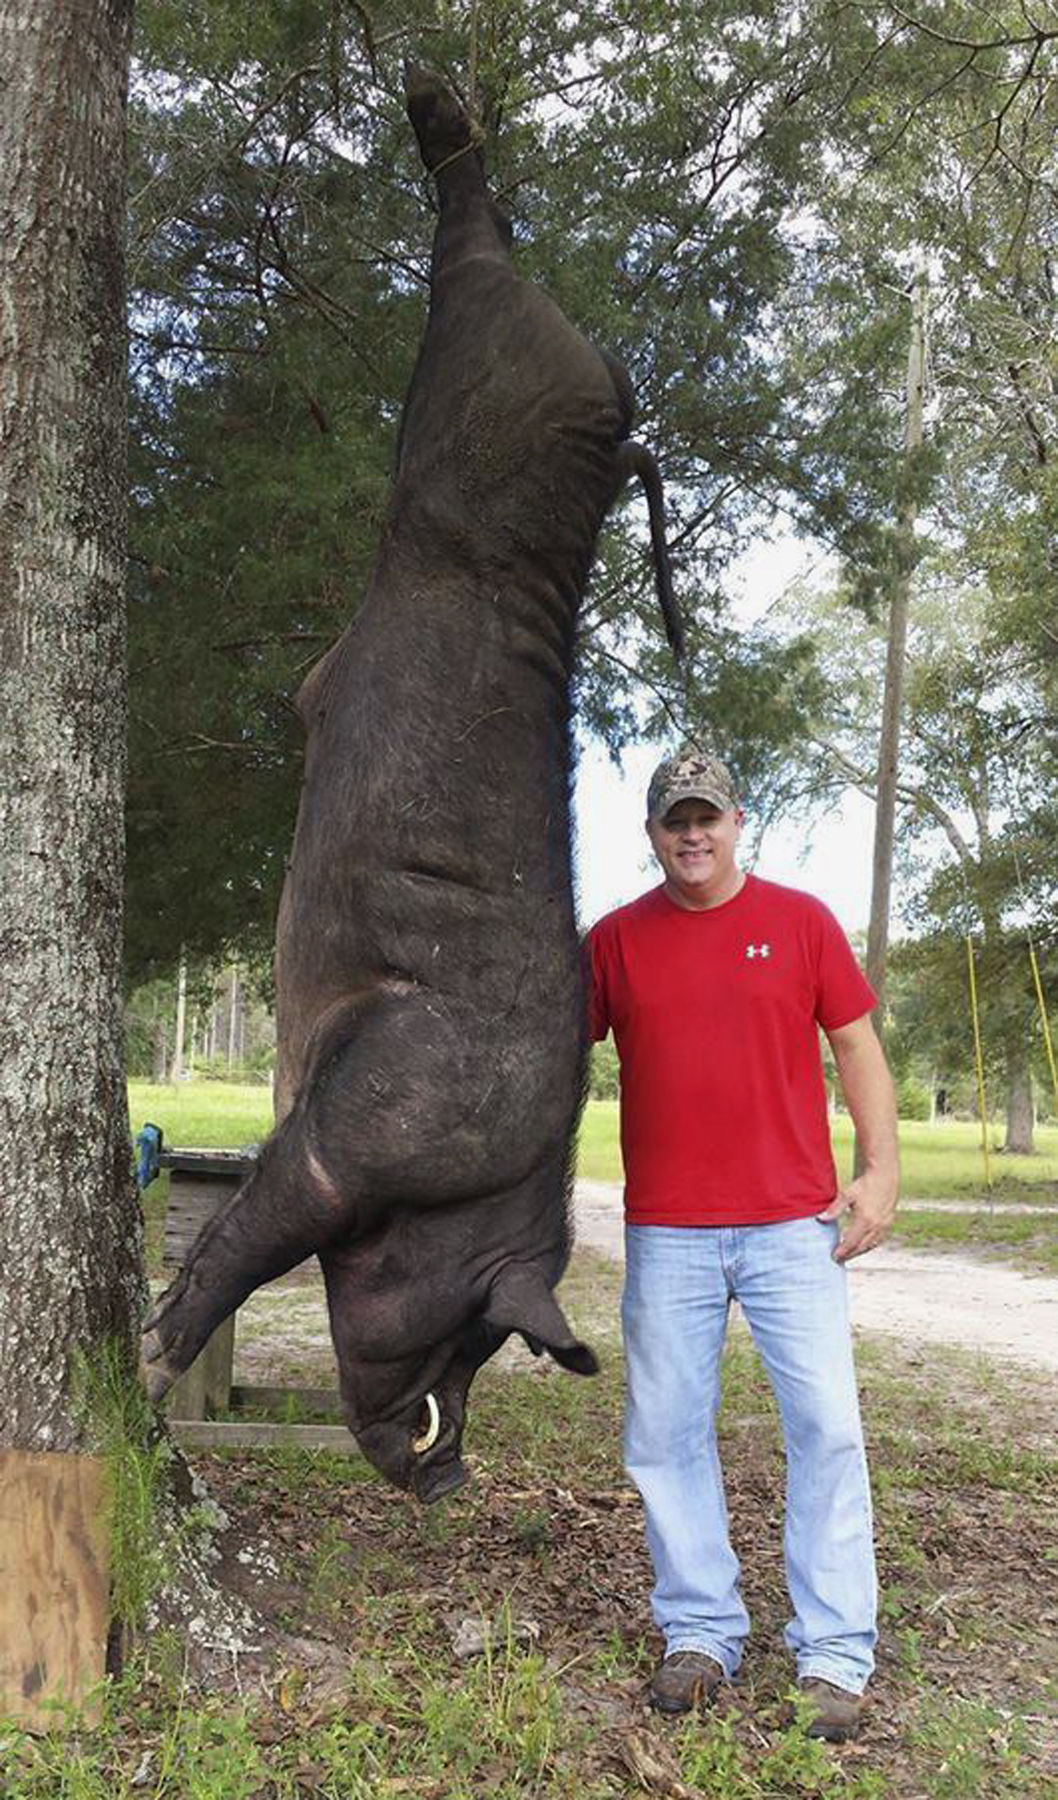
{"x": 429, "y": 997}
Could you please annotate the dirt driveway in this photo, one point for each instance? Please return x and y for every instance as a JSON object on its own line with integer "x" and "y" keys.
{"x": 914, "y": 1295}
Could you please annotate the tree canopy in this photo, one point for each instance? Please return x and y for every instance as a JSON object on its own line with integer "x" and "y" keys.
{"x": 731, "y": 204}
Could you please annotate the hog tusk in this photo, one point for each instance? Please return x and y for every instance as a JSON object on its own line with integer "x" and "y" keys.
{"x": 420, "y": 1445}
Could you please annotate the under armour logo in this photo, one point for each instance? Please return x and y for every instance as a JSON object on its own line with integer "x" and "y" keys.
{"x": 753, "y": 950}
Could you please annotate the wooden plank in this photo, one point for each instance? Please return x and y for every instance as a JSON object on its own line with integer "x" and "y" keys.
{"x": 241, "y": 1434}
{"x": 205, "y": 1387}
{"x": 274, "y": 1399}
{"x": 199, "y": 1182}
{"x": 54, "y": 1586}
{"x": 209, "y": 1162}
{"x": 192, "y": 1203}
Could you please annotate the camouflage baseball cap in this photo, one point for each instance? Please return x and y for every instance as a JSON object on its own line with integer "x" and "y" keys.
{"x": 692, "y": 774}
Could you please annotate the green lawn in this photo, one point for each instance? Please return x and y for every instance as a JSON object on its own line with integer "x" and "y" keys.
{"x": 944, "y": 1160}
{"x": 221, "y": 1114}
{"x": 939, "y": 1161}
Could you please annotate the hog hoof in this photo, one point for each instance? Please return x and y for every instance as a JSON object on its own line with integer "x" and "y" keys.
{"x": 161, "y": 1341}
{"x": 155, "y": 1374}
{"x": 439, "y": 120}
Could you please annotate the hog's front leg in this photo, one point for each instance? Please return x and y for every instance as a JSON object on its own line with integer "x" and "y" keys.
{"x": 400, "y": 1105}
{"x": 282, "y": 1214}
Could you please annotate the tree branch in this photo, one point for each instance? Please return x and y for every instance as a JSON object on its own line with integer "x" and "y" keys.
{"x": 913, "y": 795}
{"x": 1036, "y": 36}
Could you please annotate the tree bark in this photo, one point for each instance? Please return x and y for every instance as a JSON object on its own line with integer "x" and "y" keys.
{"x": 70, "y": 1253}
{"x": 1021, "y": 1118}
{"x": 896, "y": 658}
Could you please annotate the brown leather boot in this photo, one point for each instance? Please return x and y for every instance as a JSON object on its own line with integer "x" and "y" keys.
{"x": 836, "y": 1714}
{"x": 686, "y": 1679}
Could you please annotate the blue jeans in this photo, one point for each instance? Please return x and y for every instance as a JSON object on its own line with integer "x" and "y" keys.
{"x": 679, "y": 1285}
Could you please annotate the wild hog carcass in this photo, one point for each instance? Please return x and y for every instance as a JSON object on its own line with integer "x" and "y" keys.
{"x": 429, "y": 1000}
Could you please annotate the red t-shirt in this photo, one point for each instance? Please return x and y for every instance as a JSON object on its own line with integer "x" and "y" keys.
{"x": 716, "y": 1015}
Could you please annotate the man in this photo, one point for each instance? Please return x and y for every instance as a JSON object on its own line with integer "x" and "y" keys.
{"x": 714, "y": 985}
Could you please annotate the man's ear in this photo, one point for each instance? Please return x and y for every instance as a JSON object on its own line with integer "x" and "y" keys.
{"x": 520, "y": 1300}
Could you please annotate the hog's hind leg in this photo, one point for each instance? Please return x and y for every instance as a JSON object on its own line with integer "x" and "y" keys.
{"x": 449, "y": 142}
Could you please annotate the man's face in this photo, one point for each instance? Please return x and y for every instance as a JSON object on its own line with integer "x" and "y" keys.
{"x": 695, "y": 844}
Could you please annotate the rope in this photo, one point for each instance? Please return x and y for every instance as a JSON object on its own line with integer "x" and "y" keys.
{"x": 477, "y": 131}
{"x": 477, "y": 138}
{"x": 981, "y": 1104}
{"x": 1044, "y": 1021}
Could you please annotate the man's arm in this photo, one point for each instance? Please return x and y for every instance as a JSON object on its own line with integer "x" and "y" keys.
{"x": 868, "y": 1089}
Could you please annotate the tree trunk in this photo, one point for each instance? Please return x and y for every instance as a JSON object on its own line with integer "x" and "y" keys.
{"x": 70, "y": 1261}
{"x": 1020, "y": 1111}
{"x": 180, "y": 1027}
{"x": 896, "y": 657}
{"x": 233, "y": 1013}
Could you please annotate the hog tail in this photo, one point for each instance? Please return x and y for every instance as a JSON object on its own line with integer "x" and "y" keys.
{"x": 635, "y": 459}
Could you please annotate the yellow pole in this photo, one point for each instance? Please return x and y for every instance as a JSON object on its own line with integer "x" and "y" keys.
{"x": 1044, "y": 1019}
{"x": 980, "y": 1062}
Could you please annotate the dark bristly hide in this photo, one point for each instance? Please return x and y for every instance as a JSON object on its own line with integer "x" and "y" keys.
{"x": 429, "y": 999}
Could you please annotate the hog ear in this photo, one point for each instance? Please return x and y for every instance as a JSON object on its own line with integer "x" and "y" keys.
{"x": 520, "y": 1300}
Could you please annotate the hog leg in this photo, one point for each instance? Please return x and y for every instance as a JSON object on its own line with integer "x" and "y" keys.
{"x": 276, "y": 1219}
{"x": 470, "y": 223}
{"x": 472, "y": 241}
{"x": 386, "y": 1113}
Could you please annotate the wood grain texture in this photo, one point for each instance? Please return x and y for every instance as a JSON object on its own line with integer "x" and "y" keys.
{"x": 205, "y": 1387}
{"x": 237, "y": 1434}
{"x": 54, "y": 1586}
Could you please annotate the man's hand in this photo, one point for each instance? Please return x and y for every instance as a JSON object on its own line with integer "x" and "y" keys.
{"x": 868, "y": 1090}
{"x": 871, "y": 1201}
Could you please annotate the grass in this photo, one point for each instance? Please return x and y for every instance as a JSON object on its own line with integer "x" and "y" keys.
{"x": 122, "y": 1430}
{"x": 1032, "y": 1242}
{"x": 941, "y": 1161}
{"x": 965, "y": 1467}
{"x": 545, "y": 1551}
{"x": 224, "y": 1115}
{"x": 944, "y": 1161}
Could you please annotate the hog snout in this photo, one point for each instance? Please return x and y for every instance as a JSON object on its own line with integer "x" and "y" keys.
{"x": 430, "y": 1473}
{"x": 439, "y": 1480}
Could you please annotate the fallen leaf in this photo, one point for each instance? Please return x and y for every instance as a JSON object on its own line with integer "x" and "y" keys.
{"x": 653, "y": 1766}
